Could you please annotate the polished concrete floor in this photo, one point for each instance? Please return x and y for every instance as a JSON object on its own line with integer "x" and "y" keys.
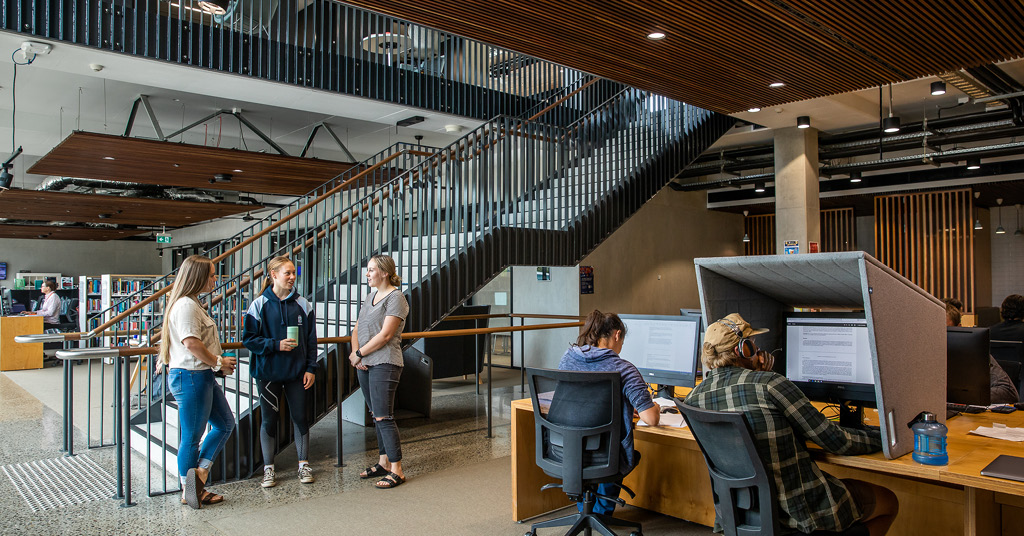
{"x": 448, "y": 458}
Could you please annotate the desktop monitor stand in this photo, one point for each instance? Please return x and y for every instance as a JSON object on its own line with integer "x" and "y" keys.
{"x": 665, "y": 391}
{"x": 851, "y": 416}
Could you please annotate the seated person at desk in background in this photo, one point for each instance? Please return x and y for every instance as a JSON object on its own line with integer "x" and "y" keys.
{"x": 50, "y": 309}
{"x": 597, "y": 350}
{"x": 1012, "y": 326}
{"x": 739, "y": 379}
{"x": 1002, "y": 390}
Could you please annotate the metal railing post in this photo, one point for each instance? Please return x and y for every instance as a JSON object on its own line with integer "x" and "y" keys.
{"x": 126, "y": 432}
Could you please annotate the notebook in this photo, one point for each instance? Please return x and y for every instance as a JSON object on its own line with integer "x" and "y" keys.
{"x": 1009, "y": 467}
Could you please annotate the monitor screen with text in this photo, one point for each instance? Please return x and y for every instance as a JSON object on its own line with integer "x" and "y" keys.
{"x": 828, "y": 349}
{"x": 663, "y": 348}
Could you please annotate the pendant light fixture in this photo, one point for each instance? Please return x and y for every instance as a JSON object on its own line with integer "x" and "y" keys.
{"x": 977, "y": 220}
{"x": 1018, "y": 232}
{"x": 1000, "y": 230}
{"x": 746, "y": 237}
{"x": 891, "y": 124}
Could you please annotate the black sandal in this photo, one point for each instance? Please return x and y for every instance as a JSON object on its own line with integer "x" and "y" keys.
{"x": 373, "y": 472}
{"x": 390, "y": 480}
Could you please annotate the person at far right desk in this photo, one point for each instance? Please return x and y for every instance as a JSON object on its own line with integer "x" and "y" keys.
{"x": 1012, "y": 326}
{"x": 1001, "y": 388}
{"x": 740, "y": 379}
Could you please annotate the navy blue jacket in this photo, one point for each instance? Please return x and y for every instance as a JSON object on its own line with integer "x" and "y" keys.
{"x": 266, "y": 325}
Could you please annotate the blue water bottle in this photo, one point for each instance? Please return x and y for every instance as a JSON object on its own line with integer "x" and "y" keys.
{"x": 930, "y": 441}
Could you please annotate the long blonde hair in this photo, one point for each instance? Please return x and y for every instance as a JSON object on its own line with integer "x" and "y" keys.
{"x": 192, "y": 277}
{"x": 387, "y": 265}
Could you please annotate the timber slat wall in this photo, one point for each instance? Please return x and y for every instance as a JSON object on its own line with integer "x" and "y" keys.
{"x": 837, "y": 232}
{"x": 929, "y": 239}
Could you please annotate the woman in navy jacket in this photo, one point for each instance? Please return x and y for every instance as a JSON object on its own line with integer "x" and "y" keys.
{"x": 282, "y": 365}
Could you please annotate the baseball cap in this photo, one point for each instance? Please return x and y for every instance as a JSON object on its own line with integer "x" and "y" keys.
{"x": 722, "y": 336}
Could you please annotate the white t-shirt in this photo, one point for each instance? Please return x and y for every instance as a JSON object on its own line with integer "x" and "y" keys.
{"x": 189, "y": 319}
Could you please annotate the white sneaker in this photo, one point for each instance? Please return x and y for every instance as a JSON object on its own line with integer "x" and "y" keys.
{"x": 306, "y": 474}
{"x": 269, "y": 479}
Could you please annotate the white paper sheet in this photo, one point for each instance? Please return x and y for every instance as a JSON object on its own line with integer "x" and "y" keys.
{"x": 1000, "y": 431}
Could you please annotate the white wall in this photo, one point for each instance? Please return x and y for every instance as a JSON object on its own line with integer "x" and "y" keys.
{"x": 78, "y": 257}
{"x": 559, "y": 296}
{"x": 1007, "y": 256}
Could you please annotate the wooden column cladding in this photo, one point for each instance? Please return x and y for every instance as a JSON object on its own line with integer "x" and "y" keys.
{"x": 929, "y": 239}
{"x": 761, "y": 230}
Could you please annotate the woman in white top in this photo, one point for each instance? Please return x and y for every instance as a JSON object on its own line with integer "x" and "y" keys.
{"x": 50, "y": 308}
{"x": 191, "y": 350}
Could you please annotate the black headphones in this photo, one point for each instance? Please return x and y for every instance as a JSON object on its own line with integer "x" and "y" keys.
{"x": 746, "y": 347}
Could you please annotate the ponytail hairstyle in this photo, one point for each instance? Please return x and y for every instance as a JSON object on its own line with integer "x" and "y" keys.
{"x": 387, "y": 265}
{"x": 192, "y": 277}
{"x": 600, "y": 326}
{"x": 272, "y": 266}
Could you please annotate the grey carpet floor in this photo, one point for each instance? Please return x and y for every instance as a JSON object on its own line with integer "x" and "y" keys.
{"x": 472, "y": 500}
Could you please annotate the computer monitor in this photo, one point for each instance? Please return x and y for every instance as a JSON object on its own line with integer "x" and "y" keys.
{"x": 967, "y": 375}
{"x": 663, "y": 348}
{"x": 6, "y": 307}
{"x": 828, "y": 356}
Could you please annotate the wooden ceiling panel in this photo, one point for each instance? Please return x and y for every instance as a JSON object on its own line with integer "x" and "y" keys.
{"x": 71, "y": 207}
{"x": 723, "y": 54}
{"x": 56, "y": 232}
{"x": 108, "y": 157}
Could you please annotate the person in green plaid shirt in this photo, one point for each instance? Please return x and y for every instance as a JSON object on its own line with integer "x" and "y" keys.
{"x": 783, "y": 419}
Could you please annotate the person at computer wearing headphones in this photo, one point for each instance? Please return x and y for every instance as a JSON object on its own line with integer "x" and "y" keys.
{"x": 740, "y": 379}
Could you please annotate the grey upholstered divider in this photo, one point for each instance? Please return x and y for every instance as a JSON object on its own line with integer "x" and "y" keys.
{"x": 906, "y": 325}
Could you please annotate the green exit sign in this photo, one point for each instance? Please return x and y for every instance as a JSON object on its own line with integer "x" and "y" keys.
{"x": 163, "y": 239}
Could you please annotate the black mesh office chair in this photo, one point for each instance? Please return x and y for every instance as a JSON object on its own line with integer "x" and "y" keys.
{"x": 744, "y": 492}
{"x": 1010, "y": 356}
{"x": 578, "y": 422}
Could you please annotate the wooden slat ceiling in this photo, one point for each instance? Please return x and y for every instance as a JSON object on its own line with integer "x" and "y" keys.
{"x": 71, "y": 207}
{"x": 723, "y": 54}
{"x": 84, "y": 154}
{"x": 65, "y": 233}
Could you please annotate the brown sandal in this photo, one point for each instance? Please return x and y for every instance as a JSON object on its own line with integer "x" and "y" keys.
{"x": 208, "y": 498}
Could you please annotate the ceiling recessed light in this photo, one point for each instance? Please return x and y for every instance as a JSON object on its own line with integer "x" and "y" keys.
{"x": 754, "y": 109}
{"x": 654, "y": 36}
{"x": 108, "y": 157}
{"x": 776, "y": 84}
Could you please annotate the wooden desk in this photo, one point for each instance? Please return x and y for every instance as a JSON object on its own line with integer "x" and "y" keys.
{"x": 672, "y": 479}
{"x": 17, "y": 356}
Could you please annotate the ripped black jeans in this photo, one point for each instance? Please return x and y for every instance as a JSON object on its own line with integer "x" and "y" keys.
{"x": 379, "y": 384}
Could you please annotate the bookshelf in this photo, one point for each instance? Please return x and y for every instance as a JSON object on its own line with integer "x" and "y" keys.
{"x": 34, "y": 280}
{"x": 100, "y": 293}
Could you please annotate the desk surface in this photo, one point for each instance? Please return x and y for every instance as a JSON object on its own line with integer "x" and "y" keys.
{"x": 968, "y": 453}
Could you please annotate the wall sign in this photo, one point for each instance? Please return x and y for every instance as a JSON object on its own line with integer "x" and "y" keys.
{"x": 791, "y": 247}
{"x": 586, "y": 279}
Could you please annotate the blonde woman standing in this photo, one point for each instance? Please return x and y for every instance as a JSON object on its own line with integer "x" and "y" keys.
{"x": 377, "y": 357}
{"x": 191, "y": 350}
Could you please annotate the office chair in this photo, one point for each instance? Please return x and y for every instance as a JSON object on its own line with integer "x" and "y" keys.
{"x": 578, "y": 423}
{"x": 1010, "y": 355}
{"x": 744, "y": 491}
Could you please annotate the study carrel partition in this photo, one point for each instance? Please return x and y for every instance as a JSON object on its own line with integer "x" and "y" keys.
{"x": 906, "y": 325}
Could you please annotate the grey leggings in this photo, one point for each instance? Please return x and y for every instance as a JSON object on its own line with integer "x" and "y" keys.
{"x": 379, "y": 384}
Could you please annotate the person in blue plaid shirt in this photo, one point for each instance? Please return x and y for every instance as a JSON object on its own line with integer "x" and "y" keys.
{"x": 783, "y": 420}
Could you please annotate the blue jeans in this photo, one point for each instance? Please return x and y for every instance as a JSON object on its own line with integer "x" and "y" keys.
{"x": 200, "y": 401}
{"x": 379, "y": 384}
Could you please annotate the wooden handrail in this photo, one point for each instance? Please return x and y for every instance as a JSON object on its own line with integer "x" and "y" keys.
{"x": 151, "y": 350}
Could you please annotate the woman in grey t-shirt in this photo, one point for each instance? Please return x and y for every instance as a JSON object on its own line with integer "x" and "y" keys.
{"x": 377, "y": 357}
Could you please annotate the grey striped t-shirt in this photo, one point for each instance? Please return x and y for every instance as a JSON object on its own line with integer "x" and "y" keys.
{"x": 371, "y": 321}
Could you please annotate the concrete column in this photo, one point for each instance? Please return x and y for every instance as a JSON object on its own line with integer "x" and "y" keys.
{"x": 796, "y": 188}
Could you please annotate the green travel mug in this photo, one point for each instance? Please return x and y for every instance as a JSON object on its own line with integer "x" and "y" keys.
{"x": 293, "y": 333}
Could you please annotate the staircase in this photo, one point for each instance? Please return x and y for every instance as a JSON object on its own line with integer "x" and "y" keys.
{"x": 512, "y": 192}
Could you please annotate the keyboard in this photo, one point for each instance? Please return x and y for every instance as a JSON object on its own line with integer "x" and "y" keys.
{"x": 964, "y": 408}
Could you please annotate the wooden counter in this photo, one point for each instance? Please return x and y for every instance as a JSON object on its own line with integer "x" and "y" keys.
{"x": 672, "y": 478}
{"x": 17, "y": 356}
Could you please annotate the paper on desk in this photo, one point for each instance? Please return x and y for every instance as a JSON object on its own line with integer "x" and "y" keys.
{"x": 671, "y": 420}
{"x": 1000, "y": 431}
{"x": 665, "y": 402}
